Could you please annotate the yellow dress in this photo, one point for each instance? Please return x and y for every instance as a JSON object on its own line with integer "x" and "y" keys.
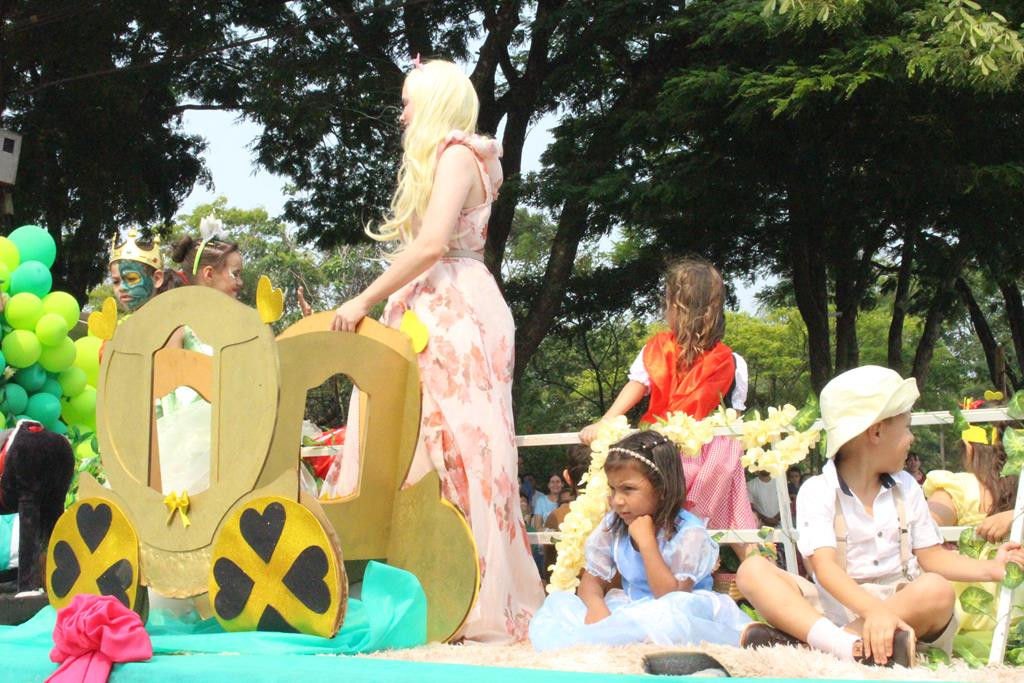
{"x": 965, "y": 490}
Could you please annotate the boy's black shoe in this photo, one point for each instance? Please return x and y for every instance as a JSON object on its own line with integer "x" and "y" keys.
{"x": 757, "y": 634}
{"x": 904, "y": 651}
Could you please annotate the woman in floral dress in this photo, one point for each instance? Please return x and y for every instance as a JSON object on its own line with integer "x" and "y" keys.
{"x": 447, "y": 182}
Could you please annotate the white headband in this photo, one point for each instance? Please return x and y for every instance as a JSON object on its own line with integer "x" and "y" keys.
{"x": 643, "y": 459}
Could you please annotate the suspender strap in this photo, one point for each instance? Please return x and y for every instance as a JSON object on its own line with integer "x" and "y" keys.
{"x": 839, "y": 526}
{"x": 901, "y": 515}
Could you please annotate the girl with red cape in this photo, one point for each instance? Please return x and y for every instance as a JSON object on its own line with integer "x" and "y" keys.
{"x": 689, "y": 369}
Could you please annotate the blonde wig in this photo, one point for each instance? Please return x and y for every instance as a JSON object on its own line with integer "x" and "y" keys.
{"x": 443, "y": 100}
{"x": 694, "y": 303}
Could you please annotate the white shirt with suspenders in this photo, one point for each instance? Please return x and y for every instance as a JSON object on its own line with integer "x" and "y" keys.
{"x": 872, "y": 549}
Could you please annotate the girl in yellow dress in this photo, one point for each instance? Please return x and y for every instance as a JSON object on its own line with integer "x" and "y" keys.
{"x": 977, "y": 497}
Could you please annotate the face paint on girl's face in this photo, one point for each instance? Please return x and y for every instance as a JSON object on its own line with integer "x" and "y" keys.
{"x": 133, "y": 284}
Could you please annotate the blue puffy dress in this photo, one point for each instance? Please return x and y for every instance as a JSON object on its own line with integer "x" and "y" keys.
{"x": 678, "y": 618}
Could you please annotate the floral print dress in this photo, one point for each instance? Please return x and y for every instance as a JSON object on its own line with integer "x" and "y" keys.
{"x": 466, "y": 430}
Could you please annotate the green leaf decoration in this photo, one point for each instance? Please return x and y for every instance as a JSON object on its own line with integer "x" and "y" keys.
{"x": 970, "y": 544}
{"x": 765, "y": 532}
{"x": 960, "y": 422}
{"x": 973, "y": 660}
{"x": 1013, "y": 444}
{"x": 934, "y": 656}
{"x": 1015, "y": 656}
{"x": 1015, "y": 406}
{"x": 810, "y": 412}
{"x": 752, "y": 613}
{"x": 1014, "y": 575}
{"x": 977, "y": 600}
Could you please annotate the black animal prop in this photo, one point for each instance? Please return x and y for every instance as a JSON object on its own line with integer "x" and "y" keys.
{"x": 35, "y": 471}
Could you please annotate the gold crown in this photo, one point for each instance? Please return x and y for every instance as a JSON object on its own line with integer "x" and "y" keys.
{"x": 129, "y": 249}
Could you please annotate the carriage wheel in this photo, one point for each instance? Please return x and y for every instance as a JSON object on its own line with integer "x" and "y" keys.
{"x": 275, "y": 568}
{"x": 94, "y": 550}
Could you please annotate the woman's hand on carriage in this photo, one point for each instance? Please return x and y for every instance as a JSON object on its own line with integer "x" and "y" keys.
{"x": 347, "y": 317}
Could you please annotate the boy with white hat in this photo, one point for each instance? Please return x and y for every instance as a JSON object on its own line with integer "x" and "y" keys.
{"x": 881, "y": 573}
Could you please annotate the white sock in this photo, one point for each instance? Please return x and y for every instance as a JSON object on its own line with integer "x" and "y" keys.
{"x": 828, "y": 637}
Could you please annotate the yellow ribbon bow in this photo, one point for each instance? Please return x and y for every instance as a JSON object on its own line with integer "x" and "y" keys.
{"x": 177, "y": 502}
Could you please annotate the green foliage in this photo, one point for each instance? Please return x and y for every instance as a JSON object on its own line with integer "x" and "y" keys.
{"x": 1013, "y": 444}
{"x": 973, "y": 660}
{"x": 970, "y": 544}
{"x": 86, "y": 460}
{"x": 976, "y": 600}
{"x": 1015, "y": 406}
{"x": 960, "y": 422}
{"x": 933, "y": 657}
{"x": 1014, "y": 575}
{"x": 807, "y": 414}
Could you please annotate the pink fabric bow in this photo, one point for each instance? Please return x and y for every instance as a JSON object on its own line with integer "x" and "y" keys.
{"x": 91, "y": 634}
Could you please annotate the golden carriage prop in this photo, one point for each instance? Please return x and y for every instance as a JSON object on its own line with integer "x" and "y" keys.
{"x": 266, "y": 555}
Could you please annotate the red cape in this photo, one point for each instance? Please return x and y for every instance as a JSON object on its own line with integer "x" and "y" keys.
{"x": 696, "y": 391}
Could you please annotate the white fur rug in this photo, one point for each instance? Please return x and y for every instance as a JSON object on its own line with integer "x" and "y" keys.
{"x": 776, "y": 662}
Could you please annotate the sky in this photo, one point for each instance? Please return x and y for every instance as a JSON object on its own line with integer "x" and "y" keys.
{"x": 232, "y": 165}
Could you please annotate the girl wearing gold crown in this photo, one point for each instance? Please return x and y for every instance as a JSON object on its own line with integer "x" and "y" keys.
{"x": 448, "y": 180}
{"x": 136, "y": 271}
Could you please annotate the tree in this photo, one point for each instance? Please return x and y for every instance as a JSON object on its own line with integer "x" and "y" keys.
{"x": 97, "y": 90}
{"x": 792, "y": 141}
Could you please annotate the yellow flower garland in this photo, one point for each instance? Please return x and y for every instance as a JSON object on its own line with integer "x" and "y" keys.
{"x": 772, "y": 444}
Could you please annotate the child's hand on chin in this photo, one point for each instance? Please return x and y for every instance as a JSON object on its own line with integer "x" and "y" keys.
{"x": 641, "y": 529}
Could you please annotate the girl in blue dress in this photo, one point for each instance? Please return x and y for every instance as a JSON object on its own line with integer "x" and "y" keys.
{"x": 662, "y": 554}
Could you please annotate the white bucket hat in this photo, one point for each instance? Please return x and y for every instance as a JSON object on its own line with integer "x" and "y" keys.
{"x": 859, "y": 398}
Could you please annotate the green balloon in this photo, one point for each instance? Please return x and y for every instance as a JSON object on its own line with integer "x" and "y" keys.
{"x": 88, "y": 358}
{"x": 34, "y": 244}
{"x": 31, "y": 276}
{"x": 81, "y": 409}
{"x": 84, "y": 451}
{"x": 3, "y": 362}
{"x": 44, "y": 408}
{"x": 23, "y": 311}
{"x": 5, "y": 277}
{"x": 72, "y": 381}
{"x": 58, "y": 358}
{"x": 9, "y": 254}
{"x": 3, "y": 421}
{"x": 64, "y": 305}
{"x": 52, "y": 387}
{"x": 15, "y": 399}
{"x": 32, "y": 378}
{"x": 51, "y": 329}
{"x": 21, "y": 348}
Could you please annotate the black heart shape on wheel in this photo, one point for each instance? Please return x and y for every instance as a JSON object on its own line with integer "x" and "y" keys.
{"x": 235, "y": 587}
{"x": 93, "y": 524}
{"x": 271, "y": 620}
{"x": 263, "y": 531}
{"x": 66, "y": 570}
{"x": 116, "y": 581}
{"x": 305, "y": 579}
